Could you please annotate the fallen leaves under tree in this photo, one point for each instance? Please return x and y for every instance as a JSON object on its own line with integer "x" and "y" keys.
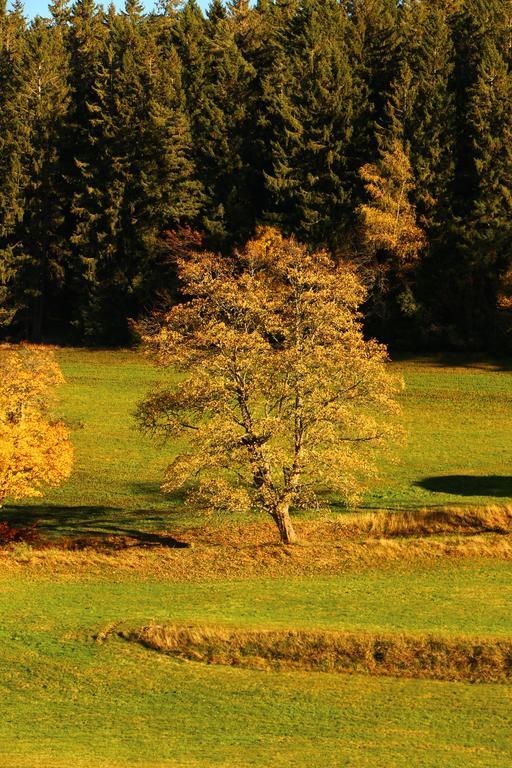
{"x": 282, "y": 398}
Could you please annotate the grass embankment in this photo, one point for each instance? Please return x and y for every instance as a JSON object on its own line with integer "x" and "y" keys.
{"x": 398, "y": 655}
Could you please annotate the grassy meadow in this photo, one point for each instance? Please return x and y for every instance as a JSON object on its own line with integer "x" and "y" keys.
{"x": 74, "y": 692}
{"x": 457, "y": 420}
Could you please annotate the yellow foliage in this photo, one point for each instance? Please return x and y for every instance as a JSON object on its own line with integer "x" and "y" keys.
{"x": 283, "y": 398}
{"x": 389, "y": 219}
{"x": 34, "y": 448}
{"x": 504, "y": 298}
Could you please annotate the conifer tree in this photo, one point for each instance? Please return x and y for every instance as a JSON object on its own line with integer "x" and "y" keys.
{"x": 309, "y": 98}
{"x": 142, "y": 179}
{"x": 31, "y": 205}
{"x": 191, "y": 46}
{"x": 430, "y": 126}
{"x": 87, "y": 45}
{"x": 12, "y": 28}
{"x": 221, "y": 121}
{"x": 374, "y": 39}
{"x": 60, "y": 12}
{"x": 482, "y": 175}
{"x": 489, "y": 227}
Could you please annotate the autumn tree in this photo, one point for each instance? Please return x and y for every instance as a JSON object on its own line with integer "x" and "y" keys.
{"x": 34, "y": 446}
{"x": 280, "y": 398}
{"x": 390, "y": 233}
{"x": 388, "y": 218}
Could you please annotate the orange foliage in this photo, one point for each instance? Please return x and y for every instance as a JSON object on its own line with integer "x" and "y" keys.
{"x": 34, "y": 447}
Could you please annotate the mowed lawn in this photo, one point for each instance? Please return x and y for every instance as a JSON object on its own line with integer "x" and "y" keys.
{"x": 68, "y": 700}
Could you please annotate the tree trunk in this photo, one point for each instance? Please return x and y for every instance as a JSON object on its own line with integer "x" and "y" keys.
{"x": 37, "y": 320}
{"x": 281, "y": 516}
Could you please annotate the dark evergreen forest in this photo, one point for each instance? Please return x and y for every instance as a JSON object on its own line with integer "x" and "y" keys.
{"x": 126, "y": 136}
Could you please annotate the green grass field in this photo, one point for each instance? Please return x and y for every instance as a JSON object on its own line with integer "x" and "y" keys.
{"x": 457, "y": 421}
{"x": 67, "y": 700}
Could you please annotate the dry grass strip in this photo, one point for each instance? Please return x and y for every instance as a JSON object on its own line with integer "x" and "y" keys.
{"x": 249, "y": 560}
{"x": 436, "y": 658}
{"x": 426, "y": 522}
{"x": 327, "y": 546}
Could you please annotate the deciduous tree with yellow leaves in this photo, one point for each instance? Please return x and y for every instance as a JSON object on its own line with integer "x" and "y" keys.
{"x": 281, "y": 398}
{"x": 388, "y": 218}
{"x": 35, "y": 449}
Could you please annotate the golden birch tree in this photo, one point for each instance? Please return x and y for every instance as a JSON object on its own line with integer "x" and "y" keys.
{"x": 35, "y": 450}
{"x": 280, "y": 399}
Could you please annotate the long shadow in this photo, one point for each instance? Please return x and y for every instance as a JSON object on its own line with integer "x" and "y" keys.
{"x": 91, "y": 521}
{"x": 458, "y": 360}
{"x": 150, "y": 491}
{"x": 469, "y": 485}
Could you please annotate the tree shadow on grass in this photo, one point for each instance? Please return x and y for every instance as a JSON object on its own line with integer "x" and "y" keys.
{"x": 92, "y": 521}
{"x": 474, "y": 361}
{"x": 499, "y": 486}
{"x": 150, "y": 490}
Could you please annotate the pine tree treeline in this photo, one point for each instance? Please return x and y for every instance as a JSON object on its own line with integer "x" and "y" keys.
{"x": 119, "y": 126}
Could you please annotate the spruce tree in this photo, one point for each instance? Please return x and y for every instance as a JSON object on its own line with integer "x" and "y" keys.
{"x": 60, "y": 12}
{"x": 481, "y": 200}
{"x": 191, "y": 47}
{"x": 221, "y": 121}
{"x": 488, "y": 233}
{"x": 430, "y": 126}
{"x": 374, "y": 39}
{"x": 310, "y": 104}
{"x": 32, "y": 122}
{"x": 141, "y": 180}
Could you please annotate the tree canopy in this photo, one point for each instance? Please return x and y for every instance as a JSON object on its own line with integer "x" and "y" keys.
{"x": 118, "y": 125}
{"x": 281, "y": 398}
{"x": 35, "y": 450}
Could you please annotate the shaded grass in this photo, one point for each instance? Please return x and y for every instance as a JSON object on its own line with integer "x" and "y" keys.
{"x": 95, "y": 525}
{"x": 398, "y": 655}
{"x": 351, "y": 542}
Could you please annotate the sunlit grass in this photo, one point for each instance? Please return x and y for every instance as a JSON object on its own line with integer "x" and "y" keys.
{"x": 67, "y": 700}
{"x": 457, "y": 420}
